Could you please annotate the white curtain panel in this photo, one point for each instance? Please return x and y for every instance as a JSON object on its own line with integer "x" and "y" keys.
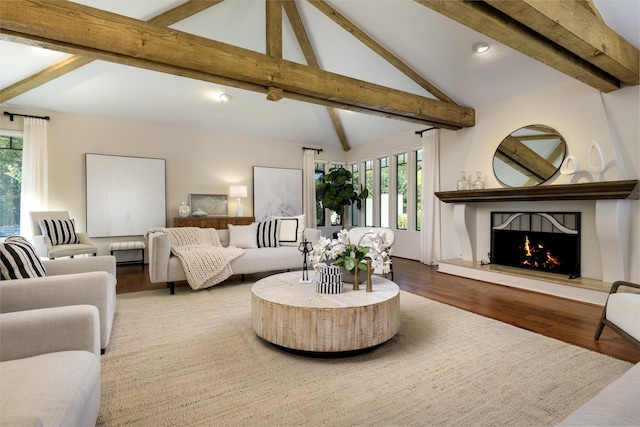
{"x": 34, "y": 195}
{"x": 430, "y": 230}
{"x": 309, "y": 188}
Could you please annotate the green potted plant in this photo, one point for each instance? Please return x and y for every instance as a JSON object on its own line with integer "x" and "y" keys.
{"x": 337, "y": 192}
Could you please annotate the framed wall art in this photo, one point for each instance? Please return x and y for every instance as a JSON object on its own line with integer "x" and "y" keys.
{"x": 211, "y": 204}
{"x": 276, "y": 192}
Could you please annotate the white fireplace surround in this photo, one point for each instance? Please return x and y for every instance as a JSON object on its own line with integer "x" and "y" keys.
{"x": 607, "y": 213}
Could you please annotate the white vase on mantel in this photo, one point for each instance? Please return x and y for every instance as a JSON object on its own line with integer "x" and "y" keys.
{"x": 184, "y": 210}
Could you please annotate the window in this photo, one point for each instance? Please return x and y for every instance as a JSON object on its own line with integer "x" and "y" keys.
{"x": 401, "y": 191}
{"x": 334, "y": 217}
{"x": 383, "y": 164}
{"x": 10, "y": 182}
{"x": 368, "y": 206}
{"x": 418, "y": 189}
{"x": 318, "y": 174}
{"x": 355, "y": 212}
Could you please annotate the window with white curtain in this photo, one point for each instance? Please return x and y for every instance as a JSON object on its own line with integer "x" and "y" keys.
{"x": 10, "y": 181}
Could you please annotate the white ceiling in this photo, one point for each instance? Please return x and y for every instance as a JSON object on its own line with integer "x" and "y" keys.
{"x": 433, "y": 45}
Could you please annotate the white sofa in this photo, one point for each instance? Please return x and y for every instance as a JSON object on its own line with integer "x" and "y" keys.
{"x": 164, "y": 267}
{"x": 615, "y": 405}
{"x": 69, "y": 281}
{"x": 50, "y": 367}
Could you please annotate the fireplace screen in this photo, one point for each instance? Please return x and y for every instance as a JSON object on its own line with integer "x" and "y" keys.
{"x": 535, "y": 240}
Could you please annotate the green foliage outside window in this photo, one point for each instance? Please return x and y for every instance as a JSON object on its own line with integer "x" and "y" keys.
{"x": 10, "y": 182}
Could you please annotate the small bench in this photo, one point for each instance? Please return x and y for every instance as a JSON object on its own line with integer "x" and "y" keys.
{"x": 128, "y": 246}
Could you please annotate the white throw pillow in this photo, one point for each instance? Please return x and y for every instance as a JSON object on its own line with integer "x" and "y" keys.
{"x": 243, "y": 236}
{"x": 291, "y": 230}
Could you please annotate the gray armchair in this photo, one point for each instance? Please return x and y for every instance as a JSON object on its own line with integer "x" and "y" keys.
{"x": 55, "y": 244}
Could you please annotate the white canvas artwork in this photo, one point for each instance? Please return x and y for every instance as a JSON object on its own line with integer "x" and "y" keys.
{"x": 276, "y": 192}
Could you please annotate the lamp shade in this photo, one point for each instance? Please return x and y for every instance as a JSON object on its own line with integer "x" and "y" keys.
{"x": 237, "y": 191}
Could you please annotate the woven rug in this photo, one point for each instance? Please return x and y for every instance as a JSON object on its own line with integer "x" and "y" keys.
{"x": 192, "y": 359}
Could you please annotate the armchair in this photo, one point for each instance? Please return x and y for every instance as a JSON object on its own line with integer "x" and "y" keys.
{"x": 622, "y": 312}
{"x": 56, "y": 243}
{"x": 50, "y": 366}
{"x": 68, "y": 282}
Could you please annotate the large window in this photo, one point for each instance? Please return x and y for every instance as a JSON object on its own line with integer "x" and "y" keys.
{"x": 318, "y": 174}
{"x": 355, "y": 212}
{"x": 368, "y": 206}
{"x": 418, "y": 189}
{"x": 383, "y": 166}
{"x": 10, "y": 180}
{"x": 401, "y": 191}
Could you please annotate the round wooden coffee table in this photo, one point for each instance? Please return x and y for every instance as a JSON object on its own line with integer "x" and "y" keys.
{"x": 294, "y": 316}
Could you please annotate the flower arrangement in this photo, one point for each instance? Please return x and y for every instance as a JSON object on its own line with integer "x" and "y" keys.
{"x": 349, "y": 255}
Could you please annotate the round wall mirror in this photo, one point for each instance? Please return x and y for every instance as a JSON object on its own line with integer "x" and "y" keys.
{"x": 529, "y": 156}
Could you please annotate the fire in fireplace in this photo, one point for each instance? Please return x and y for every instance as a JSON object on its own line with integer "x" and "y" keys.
{"x": 537, "y": 240}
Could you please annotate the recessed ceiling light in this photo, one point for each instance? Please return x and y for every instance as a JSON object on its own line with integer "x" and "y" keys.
{"x": 480, "y": 47}
{"x": 225, "y": 97}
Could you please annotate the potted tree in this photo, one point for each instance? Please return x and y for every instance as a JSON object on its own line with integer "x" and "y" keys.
{"x": 337, "y": 192}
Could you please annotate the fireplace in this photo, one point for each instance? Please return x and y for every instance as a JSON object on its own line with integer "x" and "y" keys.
{"x": 543, "y": 241}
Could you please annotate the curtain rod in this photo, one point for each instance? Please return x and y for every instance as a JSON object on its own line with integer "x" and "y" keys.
{"x": 420, "y": 132}
{"x": 11, "y": 115}
{"x": 318, "y": 150}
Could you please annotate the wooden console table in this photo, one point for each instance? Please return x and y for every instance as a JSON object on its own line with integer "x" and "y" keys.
{"x": 217, "y": 222}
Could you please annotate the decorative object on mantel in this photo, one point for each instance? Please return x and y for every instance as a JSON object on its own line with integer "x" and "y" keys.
{"x": 184, "y": 210}
{"x": 607, "y": 190}
{"x": 478, "y": 184}
{"x": 329, "y": 280}
{"x": 595, "y": 168}
{"x": 238, "y": 191}
{"x": 570, "y": 166}
{"x": 352, "y": 256}
{"x": 305, "y": 247}
{"x": 463, "y": 182}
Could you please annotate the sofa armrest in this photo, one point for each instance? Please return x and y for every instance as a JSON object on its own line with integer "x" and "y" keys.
{"x": 55, "y": 267}
{"x": 84, "y": 238}
{"x": 159, "y": 254}
{"x": 42, "y": 245}
{"x": 32, "y": 332}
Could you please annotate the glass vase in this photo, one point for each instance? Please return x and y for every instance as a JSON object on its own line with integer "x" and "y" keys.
{"x": 478, "y": 184}
{"x": 463, "y": 182}
{"x": 184, "y": 210}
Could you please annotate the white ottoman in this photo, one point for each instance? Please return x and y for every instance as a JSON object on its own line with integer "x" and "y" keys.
{"x": 128, "y": 246}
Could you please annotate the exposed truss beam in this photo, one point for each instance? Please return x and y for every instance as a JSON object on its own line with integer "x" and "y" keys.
{"x": 305, "y": 44}
{"x": 78, "y": 29}
{"x": 578, "y": 30}
{"x": 355, "y": 31}
{"x": 177, "y": 14}
{"x": 484, "y": 18}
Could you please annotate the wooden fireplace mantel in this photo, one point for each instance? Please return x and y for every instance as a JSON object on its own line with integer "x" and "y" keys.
{"x": 587, "y": 191}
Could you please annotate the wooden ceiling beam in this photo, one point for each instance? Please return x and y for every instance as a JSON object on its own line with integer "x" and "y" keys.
{"x": 177, "y": 14}
{"x": 307, "y": 50}
{"x": 78, "y": 29}
{"x": 570, "y": 25}
{"x": 482, "y": 17}
{"x": 359, "y": 34}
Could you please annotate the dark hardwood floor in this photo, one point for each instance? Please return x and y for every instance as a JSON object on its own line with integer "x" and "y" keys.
{"x": 563, "y": 319}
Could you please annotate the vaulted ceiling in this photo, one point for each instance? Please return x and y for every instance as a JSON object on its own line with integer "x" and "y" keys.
{"x": 328, "y": 73}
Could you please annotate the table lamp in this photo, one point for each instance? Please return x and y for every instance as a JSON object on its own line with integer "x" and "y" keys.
{"x": 238, "y": 191}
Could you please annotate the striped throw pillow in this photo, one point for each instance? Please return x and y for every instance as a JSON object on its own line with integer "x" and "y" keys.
{"x": 60, "y": 231}
{"x": 268, "y": 234}
{"x": 18, "y": 259}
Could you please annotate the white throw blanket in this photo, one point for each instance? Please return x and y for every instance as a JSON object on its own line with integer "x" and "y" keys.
{"x": 204, "y": 260}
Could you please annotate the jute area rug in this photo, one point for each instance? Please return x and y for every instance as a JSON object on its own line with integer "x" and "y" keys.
{"x": 192, "y": 359}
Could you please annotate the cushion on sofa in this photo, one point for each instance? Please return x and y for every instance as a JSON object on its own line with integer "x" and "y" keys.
{"x": 59, "y": 231}
{"x": 243, "y": 236}
{"x": 291, "y": 230}
{"x": 267, "y": 233}
{"x": 18, "y": 259}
